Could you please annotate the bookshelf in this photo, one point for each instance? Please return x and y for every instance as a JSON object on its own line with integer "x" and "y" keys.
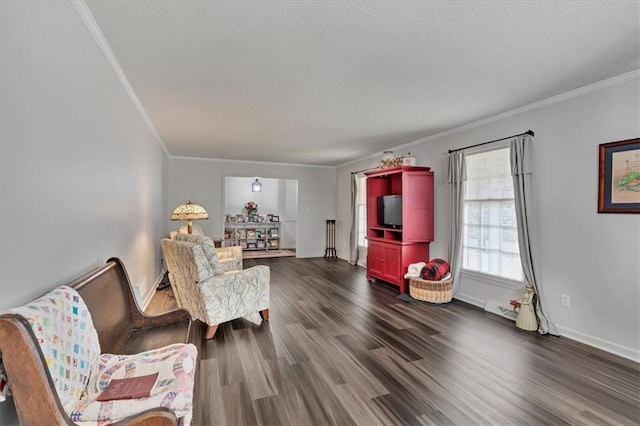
{"x": 252, "y": 235}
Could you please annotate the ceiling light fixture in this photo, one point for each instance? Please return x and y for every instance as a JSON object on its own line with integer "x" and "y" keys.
{"x": 256, "y": 186}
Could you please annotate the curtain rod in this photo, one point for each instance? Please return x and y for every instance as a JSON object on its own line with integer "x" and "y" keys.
{"x": 528, "y": 132}
{"x": 364, "y": 170}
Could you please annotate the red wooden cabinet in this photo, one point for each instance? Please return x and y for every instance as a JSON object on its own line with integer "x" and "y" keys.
{"x": 392, "y": 250}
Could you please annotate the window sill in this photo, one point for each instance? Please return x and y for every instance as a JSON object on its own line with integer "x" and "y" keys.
{"x": 493, "y": 280}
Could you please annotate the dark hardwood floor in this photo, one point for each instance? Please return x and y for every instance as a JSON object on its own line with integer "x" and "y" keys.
{"x": 339, "y": 350}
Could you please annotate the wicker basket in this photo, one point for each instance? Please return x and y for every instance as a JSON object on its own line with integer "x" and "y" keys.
{"x": 431, "y": 291}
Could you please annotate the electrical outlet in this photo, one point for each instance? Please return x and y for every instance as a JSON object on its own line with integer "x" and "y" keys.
{"x": 566, "y": 301}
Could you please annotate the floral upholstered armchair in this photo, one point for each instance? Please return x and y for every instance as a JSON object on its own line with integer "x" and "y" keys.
{"x": 211, "y": 292}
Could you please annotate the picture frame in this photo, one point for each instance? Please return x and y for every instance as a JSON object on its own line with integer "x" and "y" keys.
{"x": 246, "y": 219}
{"x": 275, "y": 218}
{"x": 231, "y": 219}
{"x": 239, "y": 218}
{"x": 260, "y": 244}
{"x": 251, "y": 245}
{"x": 256, "y": 218}
{"x": 251, "y": 234}
{"x": 243, "y": 244}
{"x": 619, "y": 176}
{"x": 273, "y": 232}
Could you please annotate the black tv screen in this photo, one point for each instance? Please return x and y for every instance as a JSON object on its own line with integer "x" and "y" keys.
{"x": 390, "y": 211}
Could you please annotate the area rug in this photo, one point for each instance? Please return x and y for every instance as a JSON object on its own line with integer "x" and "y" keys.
{"x": 262, "y": 254}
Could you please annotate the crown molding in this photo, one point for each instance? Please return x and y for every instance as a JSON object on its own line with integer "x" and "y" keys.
{"x": 266, "y": 163}
{"x": 87, "y": 18}
{"x": 613, "y": 81}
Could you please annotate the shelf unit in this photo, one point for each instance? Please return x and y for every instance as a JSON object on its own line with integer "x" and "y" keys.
{"x": 252, "y": 235}
{"x": 392, "y": 250}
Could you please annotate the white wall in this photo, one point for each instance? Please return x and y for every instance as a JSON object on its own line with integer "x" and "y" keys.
{"x": 592, "y": 257}
{"x": 80, "y": 173}
{"x": 202, "y": 181}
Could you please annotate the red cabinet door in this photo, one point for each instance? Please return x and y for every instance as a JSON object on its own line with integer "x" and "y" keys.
{"x": 392, "y": 263}
{"x": 375, "y": 260}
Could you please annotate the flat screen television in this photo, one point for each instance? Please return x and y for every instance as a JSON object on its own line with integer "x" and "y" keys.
{"x": 390, "y": 211}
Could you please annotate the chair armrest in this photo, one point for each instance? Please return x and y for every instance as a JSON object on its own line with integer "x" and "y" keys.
{"x": 235, "y": 294}
{"x": 33, "y": 391}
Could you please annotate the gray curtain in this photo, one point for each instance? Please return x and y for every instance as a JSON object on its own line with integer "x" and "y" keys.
{"x": 457, "y": 176}
{"x": 521, "y": 169}
{"x": 353, "y": 234}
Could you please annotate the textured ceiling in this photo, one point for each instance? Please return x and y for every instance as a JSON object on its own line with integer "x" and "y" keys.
{"x": 326, "y": 82}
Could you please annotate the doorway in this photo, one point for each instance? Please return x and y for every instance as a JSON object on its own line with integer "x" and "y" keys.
{"x": 278, "y": 197}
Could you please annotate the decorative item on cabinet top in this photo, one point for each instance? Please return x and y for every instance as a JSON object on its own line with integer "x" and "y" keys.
{"x": 388, "y": 160}
{"x": 408, "y": 160}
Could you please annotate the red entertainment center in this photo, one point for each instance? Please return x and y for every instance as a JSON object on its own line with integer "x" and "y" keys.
{"x": 398, "y": 239}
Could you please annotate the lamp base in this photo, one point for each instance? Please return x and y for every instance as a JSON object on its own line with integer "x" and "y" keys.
{"x": 189, "y": 227}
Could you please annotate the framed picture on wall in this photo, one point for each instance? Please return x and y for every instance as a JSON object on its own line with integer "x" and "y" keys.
{"x": 619, "y": 177}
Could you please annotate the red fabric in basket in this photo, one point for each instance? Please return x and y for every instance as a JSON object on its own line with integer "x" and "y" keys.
{"x": 435, "y": 269}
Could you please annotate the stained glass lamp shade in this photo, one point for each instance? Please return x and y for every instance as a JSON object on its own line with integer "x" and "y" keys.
{"x": 189, "y": 212}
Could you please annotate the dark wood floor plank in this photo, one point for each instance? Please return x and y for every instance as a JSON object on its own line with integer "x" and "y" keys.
{"x": 339, "y": 350}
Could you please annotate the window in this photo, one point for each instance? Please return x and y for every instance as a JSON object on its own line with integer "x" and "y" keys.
{"x": 361, "y": 220}
{"x": 362, "y": 225}
{"x": 490, "y": 240}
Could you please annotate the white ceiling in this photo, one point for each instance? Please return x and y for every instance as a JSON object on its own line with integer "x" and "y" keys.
{"x": 326, "y": 82}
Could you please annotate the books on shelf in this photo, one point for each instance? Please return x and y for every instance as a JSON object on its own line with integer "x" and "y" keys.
{"x": 129, "y": 388}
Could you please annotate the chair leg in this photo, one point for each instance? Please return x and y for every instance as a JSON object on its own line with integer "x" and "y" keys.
{"x": 264, "y": 314}
{"x": 211, "y": 330}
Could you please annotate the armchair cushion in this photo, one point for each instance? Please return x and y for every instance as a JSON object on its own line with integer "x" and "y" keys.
{"x": 175, "y": 365}
{"x": 209, "y": 250}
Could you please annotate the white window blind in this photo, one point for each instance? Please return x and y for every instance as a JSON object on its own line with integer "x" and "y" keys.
{"x": 490, "y": 241}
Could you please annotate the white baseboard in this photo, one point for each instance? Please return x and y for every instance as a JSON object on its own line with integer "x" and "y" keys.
{"x": 470, "y": 300}
{"x": 147, "y": 297}
{"x": 605, "y": 345}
